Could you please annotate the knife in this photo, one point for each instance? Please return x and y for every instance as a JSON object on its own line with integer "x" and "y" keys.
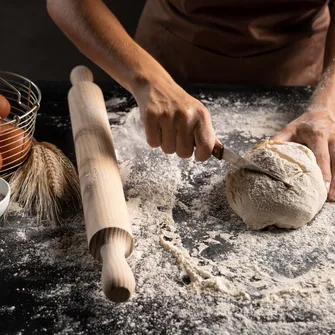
{"x": 223, "y": 153}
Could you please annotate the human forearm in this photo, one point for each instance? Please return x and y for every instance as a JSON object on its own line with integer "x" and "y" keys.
{"x": 98, "y": 34}
{"x": 316, "y": 126}
{"x": 324, "y": 94}
{"x": 173, "y": 119}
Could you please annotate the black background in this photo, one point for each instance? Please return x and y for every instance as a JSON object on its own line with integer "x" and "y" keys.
{"x": 33, "y": 46}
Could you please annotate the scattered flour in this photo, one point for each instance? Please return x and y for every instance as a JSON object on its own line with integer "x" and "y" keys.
{"x": 115, "y": 102}
{"x": 278, "y": 276}
{"x": 198, "y": 269}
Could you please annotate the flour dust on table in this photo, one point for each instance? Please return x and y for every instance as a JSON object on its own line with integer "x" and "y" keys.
{"x": 280, "y": 279}
{"x": 198, "y": 268}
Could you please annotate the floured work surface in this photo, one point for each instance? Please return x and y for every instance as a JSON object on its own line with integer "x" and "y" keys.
{"x": 198, "y": 269}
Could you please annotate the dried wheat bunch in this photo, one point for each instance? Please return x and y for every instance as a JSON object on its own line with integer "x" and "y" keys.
{"x": 45, "y": 183}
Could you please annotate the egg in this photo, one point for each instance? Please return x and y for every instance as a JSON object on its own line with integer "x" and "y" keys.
{"x": 1, "y": 162}
{"x": 4, "y": 107}
{"x": 14, "y": 145}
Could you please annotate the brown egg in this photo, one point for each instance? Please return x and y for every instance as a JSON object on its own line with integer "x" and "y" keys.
{"x": 4, "y": 107}
{"x": 14, "y": 145}
{"x": 1, "y": 162}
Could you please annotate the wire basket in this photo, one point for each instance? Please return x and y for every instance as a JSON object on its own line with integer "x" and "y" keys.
{"x": 17, "y": 129}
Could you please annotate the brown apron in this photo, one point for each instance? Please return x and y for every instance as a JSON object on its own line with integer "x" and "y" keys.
{"x": 276, "y": 42}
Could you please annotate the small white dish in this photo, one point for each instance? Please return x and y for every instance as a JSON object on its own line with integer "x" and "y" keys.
{"x": 4, "y": 196}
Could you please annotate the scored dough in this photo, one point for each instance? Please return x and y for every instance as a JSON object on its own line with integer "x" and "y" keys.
{"x": 261, "y": 201}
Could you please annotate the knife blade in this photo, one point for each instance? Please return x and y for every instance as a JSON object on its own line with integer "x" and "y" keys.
{"x": 223, "y": 153}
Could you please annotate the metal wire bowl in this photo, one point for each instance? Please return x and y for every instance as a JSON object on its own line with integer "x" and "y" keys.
{"x": 16, "y": 130}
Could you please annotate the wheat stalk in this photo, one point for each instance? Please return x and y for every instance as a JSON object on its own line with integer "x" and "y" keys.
{"x": 69, "y": 173}
{"x": 45, "y": 182}
{"x": 54, "y": 174}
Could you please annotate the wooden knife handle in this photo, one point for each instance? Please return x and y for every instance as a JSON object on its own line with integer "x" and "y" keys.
{"x": 218, "y": 149}
{"x": 106, "y": 216}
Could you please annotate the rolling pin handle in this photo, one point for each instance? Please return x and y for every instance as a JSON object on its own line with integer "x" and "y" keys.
{"x": 117, "y": 279}
{"x": 81, "y": 73}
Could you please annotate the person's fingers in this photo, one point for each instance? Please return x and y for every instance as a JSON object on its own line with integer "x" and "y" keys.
{"x": 168, "y": 132}
{"x": 331, "y": 190}
{"x": 153, "y": 132}
{"x": 285, "y": 135}
{"x": 204, "y": 137}
{"x": 185, "y": 143}
{"x": 185, "y": 124}
{"x": 320, "y": 148}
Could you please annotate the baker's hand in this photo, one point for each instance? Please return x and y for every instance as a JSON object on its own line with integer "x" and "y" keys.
{"x": 174, "y": 120}
{"x": 316, "y": 129}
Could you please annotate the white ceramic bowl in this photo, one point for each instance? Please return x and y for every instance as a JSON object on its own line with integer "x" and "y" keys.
{"x": 4, "y": 196}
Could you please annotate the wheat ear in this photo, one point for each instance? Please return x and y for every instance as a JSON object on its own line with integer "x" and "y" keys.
{"x": 45, "y": 183}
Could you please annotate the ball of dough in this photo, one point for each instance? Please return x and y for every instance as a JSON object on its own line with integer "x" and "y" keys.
{"x": 261, "y": 201}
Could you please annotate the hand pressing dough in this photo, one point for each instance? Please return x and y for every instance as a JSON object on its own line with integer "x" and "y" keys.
{"x": 261, "y": 201}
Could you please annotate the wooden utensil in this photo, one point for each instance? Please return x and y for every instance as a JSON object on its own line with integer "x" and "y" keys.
{"x": 106, "y": 217}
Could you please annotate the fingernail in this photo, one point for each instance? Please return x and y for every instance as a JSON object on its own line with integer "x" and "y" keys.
{"x": 327, "y": 183}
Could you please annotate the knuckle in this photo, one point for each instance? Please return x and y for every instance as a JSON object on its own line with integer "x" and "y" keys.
{"x": 184, "y": 116}
{"x": 318, "y": 133}
{"x": 311, "y": 130}
{"x": 202, "y": 113}
{"x": 302, "y": 129}
{"x": 165, "y": 114}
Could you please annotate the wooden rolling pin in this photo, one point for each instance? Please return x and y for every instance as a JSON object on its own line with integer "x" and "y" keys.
{"x": 108, "y": 228}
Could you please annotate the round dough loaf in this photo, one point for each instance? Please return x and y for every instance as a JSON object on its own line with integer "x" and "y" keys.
{"x": 261, "y": 201}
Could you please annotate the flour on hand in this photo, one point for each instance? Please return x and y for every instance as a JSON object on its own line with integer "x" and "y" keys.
{"x": 261, "y": 201}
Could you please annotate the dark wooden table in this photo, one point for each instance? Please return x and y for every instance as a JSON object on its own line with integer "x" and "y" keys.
{"x": 42, "y": 297}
